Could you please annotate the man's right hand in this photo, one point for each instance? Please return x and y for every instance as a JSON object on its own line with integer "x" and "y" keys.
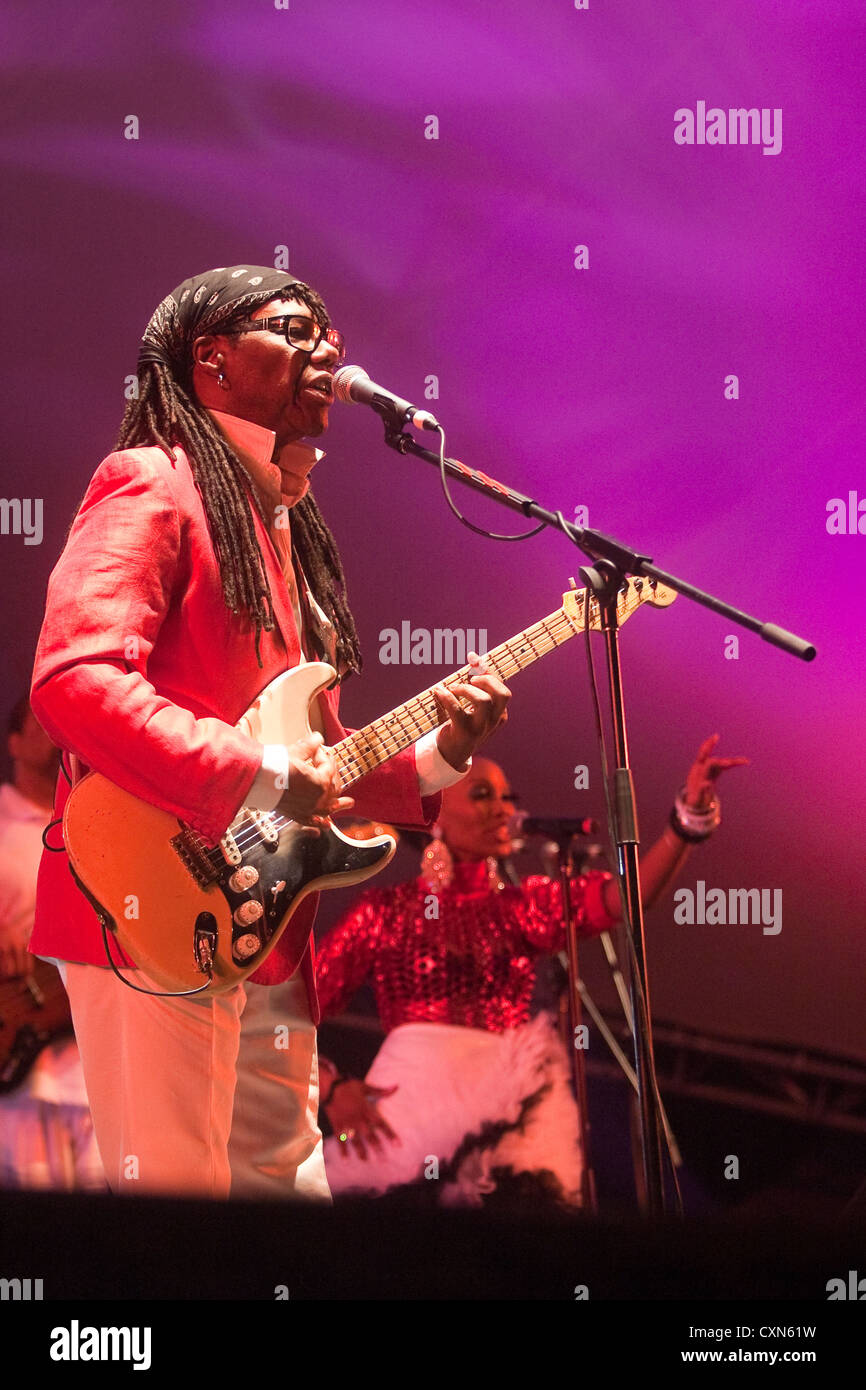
{"x": 313, "y": 793}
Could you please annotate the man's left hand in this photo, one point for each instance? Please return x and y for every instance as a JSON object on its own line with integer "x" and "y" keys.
{"x": 466, "y": 729}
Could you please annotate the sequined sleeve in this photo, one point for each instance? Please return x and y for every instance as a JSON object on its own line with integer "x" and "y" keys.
{"x": 344, "y": 957}
{"x": 542, "y": 924}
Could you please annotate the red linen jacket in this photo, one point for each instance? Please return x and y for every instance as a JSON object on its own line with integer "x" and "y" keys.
{"x": 143, "y": 672}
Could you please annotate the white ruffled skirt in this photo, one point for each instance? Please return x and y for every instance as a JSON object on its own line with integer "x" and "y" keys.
{"x": 471, "y": 1109}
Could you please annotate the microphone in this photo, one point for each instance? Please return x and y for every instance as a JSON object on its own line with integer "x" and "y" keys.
{"x": 353, "y": 384}
{"x": 551, "y": 828}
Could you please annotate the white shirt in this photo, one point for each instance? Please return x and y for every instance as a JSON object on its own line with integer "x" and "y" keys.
{"x": 254, "y": 446}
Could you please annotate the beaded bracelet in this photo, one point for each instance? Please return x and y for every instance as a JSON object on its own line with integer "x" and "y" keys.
{"x": 694, "y": 825}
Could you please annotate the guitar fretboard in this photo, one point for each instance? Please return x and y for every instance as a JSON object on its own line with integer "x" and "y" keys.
{"x": 368, "y": 747}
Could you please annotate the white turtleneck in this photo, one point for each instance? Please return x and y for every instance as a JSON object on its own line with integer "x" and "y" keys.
{"x": 254, "y": 446}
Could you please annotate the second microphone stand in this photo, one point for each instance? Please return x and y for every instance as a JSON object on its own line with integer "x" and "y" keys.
{"x": 565, "y": 862}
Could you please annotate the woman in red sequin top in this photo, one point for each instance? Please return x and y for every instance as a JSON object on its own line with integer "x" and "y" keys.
{"x": 467, "y": 1088}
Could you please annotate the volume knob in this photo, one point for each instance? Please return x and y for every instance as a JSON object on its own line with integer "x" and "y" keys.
{"x": 248, "y": 913}
{"x": 245, "y": 946}
{"x": 243, "y": 878}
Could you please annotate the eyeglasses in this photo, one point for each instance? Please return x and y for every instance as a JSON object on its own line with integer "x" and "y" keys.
{"x": 299, "y": 332}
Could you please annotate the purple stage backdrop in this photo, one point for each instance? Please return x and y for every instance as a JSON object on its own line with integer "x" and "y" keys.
{"x": 619, "y": 251}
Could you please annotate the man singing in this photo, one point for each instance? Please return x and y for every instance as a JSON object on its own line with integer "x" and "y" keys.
{"x": 197, "y": 569}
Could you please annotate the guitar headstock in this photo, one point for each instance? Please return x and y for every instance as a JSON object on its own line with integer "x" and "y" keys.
{"x": 633, "y": 593}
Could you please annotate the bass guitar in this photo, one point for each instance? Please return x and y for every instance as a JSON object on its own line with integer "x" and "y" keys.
{"x": 34, "y": 1008}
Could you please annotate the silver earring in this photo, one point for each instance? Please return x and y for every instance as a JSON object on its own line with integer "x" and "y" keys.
{"x": 221, "y": 380}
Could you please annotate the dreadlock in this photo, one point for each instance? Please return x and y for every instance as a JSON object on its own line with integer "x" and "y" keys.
{"x": 166, "y": 413}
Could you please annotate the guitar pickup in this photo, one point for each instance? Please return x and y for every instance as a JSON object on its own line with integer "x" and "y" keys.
{"x": 229, "y": 847}
{"x": 264, "y": 823}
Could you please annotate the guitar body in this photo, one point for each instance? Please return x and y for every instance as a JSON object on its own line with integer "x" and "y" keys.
{"x": 168, "y": 901}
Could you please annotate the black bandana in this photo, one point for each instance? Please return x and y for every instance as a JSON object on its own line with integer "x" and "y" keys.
{"x": 204, "y": 303}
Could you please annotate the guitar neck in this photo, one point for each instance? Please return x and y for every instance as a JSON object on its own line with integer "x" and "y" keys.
{"x": 368, "y": 747}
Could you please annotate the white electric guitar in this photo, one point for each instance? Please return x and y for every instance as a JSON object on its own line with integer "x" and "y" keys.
{"x": 195, "y": 916}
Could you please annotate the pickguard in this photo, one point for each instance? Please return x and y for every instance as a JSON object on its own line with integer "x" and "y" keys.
{"x": 290, "y": 869}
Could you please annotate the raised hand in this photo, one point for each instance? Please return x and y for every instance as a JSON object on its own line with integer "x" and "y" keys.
{"x": 705, "y": 772}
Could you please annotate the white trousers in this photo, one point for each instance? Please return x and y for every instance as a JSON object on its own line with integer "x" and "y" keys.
{"x": 210, "y": 1097}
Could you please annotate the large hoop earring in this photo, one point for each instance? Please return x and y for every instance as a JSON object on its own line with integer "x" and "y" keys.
{"x": 437, "y": 864}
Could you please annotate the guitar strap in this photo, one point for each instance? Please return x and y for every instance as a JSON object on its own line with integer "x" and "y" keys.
{"x": 318, "y": 635}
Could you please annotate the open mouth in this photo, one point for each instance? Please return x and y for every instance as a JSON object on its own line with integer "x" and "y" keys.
{"x": 324, "y": 388}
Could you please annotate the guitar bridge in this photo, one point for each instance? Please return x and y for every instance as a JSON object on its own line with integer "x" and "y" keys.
{"x": 193, "y": 854}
